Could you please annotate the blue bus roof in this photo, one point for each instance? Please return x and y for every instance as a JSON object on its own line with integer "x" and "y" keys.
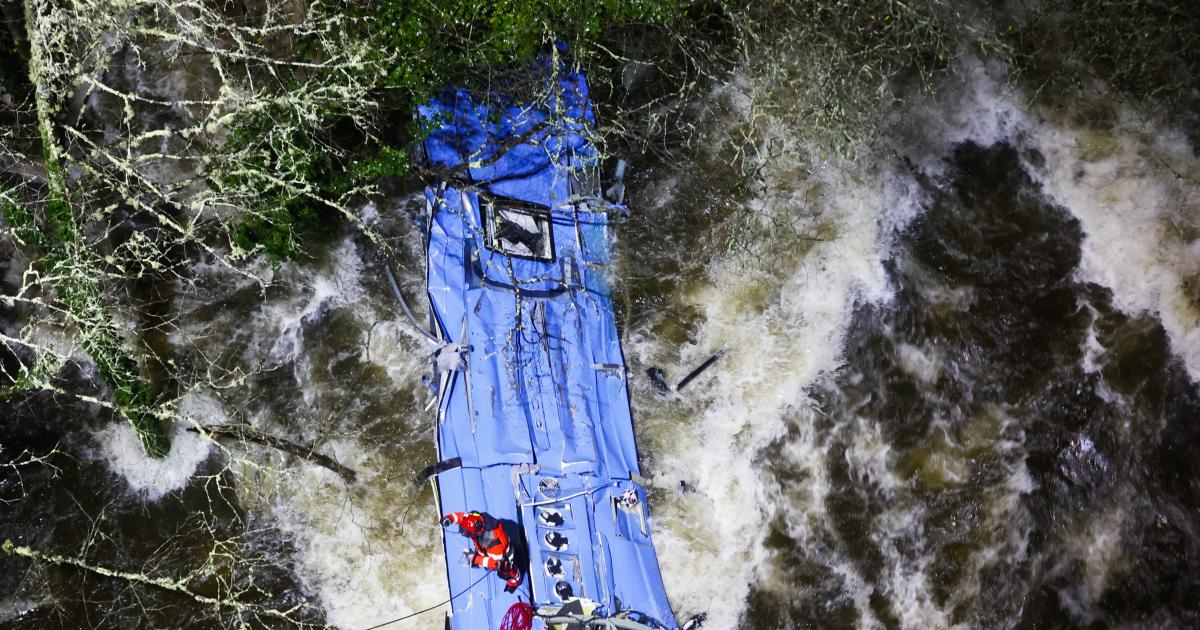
{"x": 535, "y": 406}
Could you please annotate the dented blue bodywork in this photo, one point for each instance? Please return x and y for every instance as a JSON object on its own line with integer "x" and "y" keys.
{"x": 532, "y": 392}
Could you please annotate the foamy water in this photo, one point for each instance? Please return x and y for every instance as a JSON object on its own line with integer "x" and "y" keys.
{"x": 784, "y": 327}
{"x": 1133, "y": 184}
{"x": 370, "y": 551}
{"x": 119, "y": 446}
{"x": 1135, "y": 188}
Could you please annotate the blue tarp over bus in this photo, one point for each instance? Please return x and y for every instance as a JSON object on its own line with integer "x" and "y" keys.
{"x": 537, "y": 408}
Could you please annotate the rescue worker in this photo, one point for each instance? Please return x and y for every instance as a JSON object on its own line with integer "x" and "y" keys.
{"x": 493, "y": 550}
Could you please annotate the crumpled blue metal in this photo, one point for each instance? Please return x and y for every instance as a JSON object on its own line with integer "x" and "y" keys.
{"x": 539, "y": 411}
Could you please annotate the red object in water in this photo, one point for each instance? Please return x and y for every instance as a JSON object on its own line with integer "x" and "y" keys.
{"x": 518, "y": 617}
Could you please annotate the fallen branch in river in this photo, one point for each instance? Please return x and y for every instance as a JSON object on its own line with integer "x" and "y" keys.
{"x": 244, "y": 433}
{"x": 182, "y": 586}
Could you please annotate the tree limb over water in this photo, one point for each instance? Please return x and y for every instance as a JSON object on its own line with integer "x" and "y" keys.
{"x": 180, "y": 586}
{"x": 308, "y": 453}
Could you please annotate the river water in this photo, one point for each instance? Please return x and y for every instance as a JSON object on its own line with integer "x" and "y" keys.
{"x": 960, "y": 388}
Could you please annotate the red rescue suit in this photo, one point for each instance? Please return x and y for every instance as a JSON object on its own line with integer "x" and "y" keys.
{"x": 493, "y": 550}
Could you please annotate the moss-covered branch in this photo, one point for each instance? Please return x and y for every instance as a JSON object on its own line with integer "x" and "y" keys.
{"x": 64, "y": 254}
{"x": 179, "y": 586}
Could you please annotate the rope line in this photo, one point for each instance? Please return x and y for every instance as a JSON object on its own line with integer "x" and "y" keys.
{"x": 571, "y": 496}
{"x": 419, "y": 612}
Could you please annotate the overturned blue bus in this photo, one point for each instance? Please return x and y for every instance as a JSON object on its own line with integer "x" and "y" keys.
{"x": 532, "y": 409}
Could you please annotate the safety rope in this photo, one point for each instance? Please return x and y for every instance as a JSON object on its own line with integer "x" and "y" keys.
{"x": 518, "y": 617}
{"x": 570, "y": 496}
{"x": 419, "y": 612}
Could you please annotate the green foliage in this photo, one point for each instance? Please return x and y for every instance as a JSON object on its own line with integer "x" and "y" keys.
{"x": 82, "y": 296}
{"x": 416, "y": 48}
{"x": 285, "y": 223}
{"x": 102, "y": 341}
{"x": 273, "y": 150}
{"x": 288, "y": 232}
{"x": 386, "y": 162}
{"x": 449, "y": 42}
{"x": 23, "y": 225}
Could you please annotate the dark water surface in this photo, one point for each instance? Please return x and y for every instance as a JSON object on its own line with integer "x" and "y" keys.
{"x": 1040, "y": 487}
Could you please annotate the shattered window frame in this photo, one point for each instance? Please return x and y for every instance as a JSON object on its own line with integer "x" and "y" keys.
{"x": 496, "y": 210}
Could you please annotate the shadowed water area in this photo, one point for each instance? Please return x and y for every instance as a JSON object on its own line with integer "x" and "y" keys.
{"x": 1032, "y": 485}
{"x": 70, "y": 503}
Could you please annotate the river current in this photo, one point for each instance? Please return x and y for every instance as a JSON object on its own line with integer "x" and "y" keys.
{"x": 960, "y": 389}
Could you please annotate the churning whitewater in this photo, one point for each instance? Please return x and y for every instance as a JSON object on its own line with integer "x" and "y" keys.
{"x": 855, "y": 459}
{"x": 958, "y": 388}
{"x": 769, "y": 443}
